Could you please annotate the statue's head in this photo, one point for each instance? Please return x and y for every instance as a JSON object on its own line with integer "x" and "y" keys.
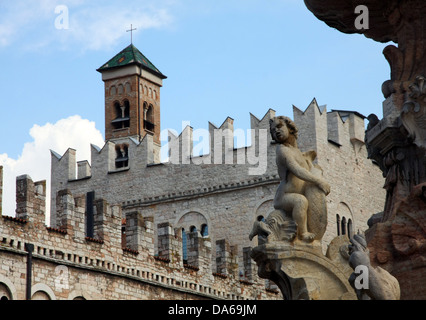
{"x": 282, "y": 129}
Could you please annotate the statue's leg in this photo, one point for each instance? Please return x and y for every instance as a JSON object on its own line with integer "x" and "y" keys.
{"x": 297, "y": 204}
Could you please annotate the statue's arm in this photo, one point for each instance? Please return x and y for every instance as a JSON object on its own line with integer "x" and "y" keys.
{"x": 300, "y": 172}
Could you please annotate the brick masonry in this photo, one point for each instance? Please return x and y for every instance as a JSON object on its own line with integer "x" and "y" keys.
{"x": 150, "y": 196}
{"x": 140, "y": 93}
{"x": 66, "y": 264}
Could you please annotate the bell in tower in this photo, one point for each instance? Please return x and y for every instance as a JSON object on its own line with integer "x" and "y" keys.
{"x": 132, "y": 96}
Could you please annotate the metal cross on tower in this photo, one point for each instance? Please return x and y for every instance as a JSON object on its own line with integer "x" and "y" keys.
{"x": 131, "y": 33}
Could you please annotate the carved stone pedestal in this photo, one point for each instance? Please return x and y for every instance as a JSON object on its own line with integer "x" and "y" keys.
{"x": 302, "y": 271}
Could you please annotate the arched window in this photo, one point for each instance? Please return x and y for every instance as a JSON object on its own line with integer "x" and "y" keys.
{"x": 120, "y": 89}
{"x": 184, "y": 247}
{"x": 350, "y": 231}
{"x": 113, "y": 91}
{"x": 122, "y": 158}
{"x": 338, "y": 224}
{"x": 128, "y": 88}
{"x": 343, "y": 225}
{"x": 204, "y": 230}
{"x": 188, "y": 222}
{"x": 155, "y": 95}
{"x": 123, "y": 234}
{"x": 40, "y": 295}
{"x": 150, "y": 114}
{"x": 149, "y": 118}
{"x": 122, "y": 115}
{"x": 126, "y": 108}
{"x": 117, "y": 109}
{"x": 5, "y": 292}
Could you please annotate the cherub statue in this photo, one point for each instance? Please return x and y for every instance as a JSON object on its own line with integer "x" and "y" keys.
{"x": 300, "y": 198}
{"x": 302, "y": 189}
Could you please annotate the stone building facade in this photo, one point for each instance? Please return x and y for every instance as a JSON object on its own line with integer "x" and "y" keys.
{"x": 65, "y": 263}
{"x": 128, "y": 226}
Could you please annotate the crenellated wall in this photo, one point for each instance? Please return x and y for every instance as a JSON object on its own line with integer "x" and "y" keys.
{"x": 127, "y": 222}
{"x": 356, "y": 183}
{"x": 228, "y": 183}
{"x": 68, "y": 264}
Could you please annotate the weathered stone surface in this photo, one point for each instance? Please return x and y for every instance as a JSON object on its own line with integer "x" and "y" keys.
{"x": 396, "y": 142}
{"x": 377, "y": 283}
{"x": 398, "y": 244}
{"x": 291, "y": 254}
{"x": 302, "y": 271}
{"x": 69, "y": 265}
{"x": 302, "y": 190}
{"x": 224, "y": 199}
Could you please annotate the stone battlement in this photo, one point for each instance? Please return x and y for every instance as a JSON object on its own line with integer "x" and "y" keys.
{"x": 235, "y": 166}
{"x": 339, "y": 127}
{"x": 91, "y": 236}
{"x": 124, "y": 213}
{"x": 342, "y": 128}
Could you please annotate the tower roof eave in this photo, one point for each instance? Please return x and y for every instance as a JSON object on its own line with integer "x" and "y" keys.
{"x": 131, "y": 56}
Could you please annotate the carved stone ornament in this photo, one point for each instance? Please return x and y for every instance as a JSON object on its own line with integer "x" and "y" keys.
{"x": 409, "y": 226}
{"x": 300, "y": 200}
{"x": 289, "y": 250}
{"x": 302, "y": 271}
{"x": 379, "y": 283}
{"x": 414, "y": 112}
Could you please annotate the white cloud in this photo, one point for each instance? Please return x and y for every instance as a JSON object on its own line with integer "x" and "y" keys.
{"x": 92, "y": 25}
{"x": 103, "y": 27}
{"x": 73, "y": 132}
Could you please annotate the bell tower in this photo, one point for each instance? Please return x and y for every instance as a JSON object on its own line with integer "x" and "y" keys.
{"x": 132, "y": 96}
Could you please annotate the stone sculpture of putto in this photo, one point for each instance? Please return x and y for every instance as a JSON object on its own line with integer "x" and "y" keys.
{"x": 300, "y": 200}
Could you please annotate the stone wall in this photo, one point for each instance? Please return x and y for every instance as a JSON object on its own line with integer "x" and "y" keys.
{"x": 67, "y": 264}
{"x": 222, "y": 190}
{"x": 139, "y": 93}
{"x": 356, "y": 183}
{"x": 1, "y": 189}
{"x": 144, "y": 207}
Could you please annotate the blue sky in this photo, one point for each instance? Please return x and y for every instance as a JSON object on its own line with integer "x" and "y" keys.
{"x": 222, "y": 58}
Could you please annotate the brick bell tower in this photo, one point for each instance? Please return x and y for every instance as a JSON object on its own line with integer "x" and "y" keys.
{"x": 132, "y": 96}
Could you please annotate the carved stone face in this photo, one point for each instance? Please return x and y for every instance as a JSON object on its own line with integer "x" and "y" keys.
{"x": 279, "y": 130}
